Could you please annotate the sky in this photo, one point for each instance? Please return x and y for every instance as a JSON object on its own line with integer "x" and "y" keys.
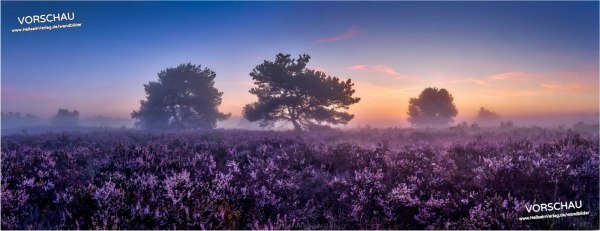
{"x": 515, "y": 58}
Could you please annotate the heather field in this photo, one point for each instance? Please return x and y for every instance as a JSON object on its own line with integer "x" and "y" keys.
{"x": 354, "y": 179}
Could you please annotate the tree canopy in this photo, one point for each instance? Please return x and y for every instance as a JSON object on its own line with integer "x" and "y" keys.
{"x": 288, "y": 91}
{"x": 486, "y": 115}
{"x": 65, "y": 118}
{"x": 183, "y": 97}
{"x": 433, "y": 107}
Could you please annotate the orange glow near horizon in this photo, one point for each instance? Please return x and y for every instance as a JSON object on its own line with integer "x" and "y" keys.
{"x": 510, "y": 94}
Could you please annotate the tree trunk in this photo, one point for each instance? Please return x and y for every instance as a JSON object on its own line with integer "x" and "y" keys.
{"x": 297, "y": 126}
{"x": 176, "y": 119}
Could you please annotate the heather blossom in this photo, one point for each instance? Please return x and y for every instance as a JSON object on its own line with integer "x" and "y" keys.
{"x": 357, "y": 179}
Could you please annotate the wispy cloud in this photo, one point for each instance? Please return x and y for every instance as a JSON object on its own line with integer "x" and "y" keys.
{"x": 553, "y": 81}
{"x": 352, "y": 31}
{"x": 386, "y": 70}
{"x": 468, "y": 80}
{"x": 573, "y": 87}
{"x": 359, "y": 67}
{"x": 381, "y": 69}
{"x": 513, "y": 75}
{"x": 505, "y": 76}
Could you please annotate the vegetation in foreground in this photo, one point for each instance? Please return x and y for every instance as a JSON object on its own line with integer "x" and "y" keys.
{"x": 358, "y": 179}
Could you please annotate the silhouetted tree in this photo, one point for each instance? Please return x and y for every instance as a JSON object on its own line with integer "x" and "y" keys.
{"x": 507, "y": 124}
{"x": 288, "y": 91}
{"x": 486, "y": 115}
{"x": 433, "y": 107}
{"x": 183, "y": 97}
{"x": 66, "y": 118}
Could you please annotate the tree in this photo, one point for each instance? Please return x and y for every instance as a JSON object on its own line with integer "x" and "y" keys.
{"x": 66, "y": 118}
{"x": 433, "y": 107}
{"x": 183, "y": 97}
{"x": 507, "y": 124}
{"x": 288, "y": 91}
{"x": 487, "y": 116}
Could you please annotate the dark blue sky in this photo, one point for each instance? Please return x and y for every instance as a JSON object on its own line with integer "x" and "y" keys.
{"x": 394, "y": 47}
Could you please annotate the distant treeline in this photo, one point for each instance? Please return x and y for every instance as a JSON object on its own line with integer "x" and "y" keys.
{"x": 63, "y": 118}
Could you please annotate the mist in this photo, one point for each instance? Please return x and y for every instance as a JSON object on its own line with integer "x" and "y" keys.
{"x": 63, "y": 120}
{"x": 19, "y": 122}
